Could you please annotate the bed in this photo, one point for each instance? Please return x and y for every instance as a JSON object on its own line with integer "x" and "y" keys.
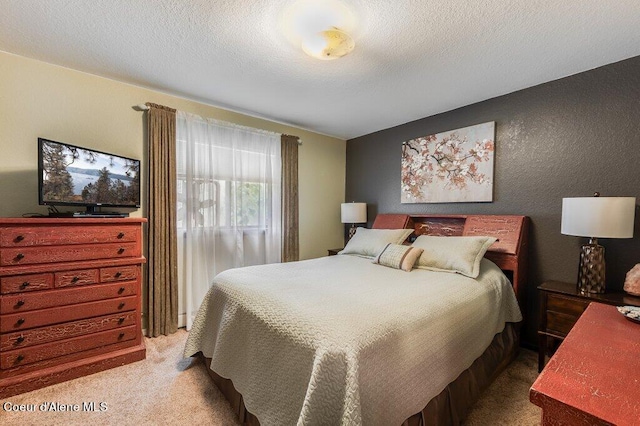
{"x": 339, "y": 340}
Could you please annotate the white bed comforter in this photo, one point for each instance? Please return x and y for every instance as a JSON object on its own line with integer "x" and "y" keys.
{"x": 339, "y": 340}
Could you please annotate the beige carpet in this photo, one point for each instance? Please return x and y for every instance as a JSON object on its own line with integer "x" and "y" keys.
{"x": 506, "y": 401}
{"x": 165, "y": 389}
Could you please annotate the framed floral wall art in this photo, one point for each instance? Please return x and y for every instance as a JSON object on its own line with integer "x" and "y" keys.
{"x": 449, "y": 167}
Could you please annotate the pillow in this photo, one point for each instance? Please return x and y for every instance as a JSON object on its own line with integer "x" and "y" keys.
{"x": 398, "y": 256}
{"x": 453, "y": 254}
{"x": 369, "y": 242}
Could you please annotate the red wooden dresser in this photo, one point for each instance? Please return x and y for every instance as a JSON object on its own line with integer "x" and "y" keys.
{"x": 70, "y": 299}
{"x": 594, "y": 376}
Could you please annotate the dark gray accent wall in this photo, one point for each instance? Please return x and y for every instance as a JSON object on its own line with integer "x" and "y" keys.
{"x": 566, "y": 138}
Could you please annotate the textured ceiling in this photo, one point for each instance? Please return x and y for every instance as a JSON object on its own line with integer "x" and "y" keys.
{"x": 412, "y": 58}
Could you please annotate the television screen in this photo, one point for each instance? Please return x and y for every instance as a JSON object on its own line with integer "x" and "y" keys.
{"x": 73, "y": 175}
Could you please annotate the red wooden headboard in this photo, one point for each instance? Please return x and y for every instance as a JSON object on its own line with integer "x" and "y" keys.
{"x": 509, "y": 252}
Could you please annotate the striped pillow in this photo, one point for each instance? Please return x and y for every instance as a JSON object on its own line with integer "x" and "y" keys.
{"x": 398, "y": 256}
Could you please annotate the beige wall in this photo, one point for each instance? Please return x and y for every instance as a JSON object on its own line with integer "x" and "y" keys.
{"x": 43, "y": 100}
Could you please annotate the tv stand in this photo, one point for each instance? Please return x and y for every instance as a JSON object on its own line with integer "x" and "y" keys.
{"x": 94, "y": 211}
{"x": 60, "y": 214}
{"x": 90, "y": 212}
{"x": 100, "y": 214}
{"x": 88, "y": 215}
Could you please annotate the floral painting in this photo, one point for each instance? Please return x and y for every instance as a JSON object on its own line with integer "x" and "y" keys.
{"x": 449, "y": 167}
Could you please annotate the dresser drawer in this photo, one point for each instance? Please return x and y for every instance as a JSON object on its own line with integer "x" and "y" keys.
{"x": 38, "y": 336}
{"x": 570, "y": 306}
{"x": 22, "y": 283}
{"x": 25, "y": 236}
{"x": 119, "y": 273}
{"x": 68, "y": 359}
{"x": 40, "y": 318}
{"x": 34, "y": 255}
{"x": 559, "y": 323}
{"x": 25, "y": 356}
{"x": 76, "y": 278}
{"x": 69, "y": 296}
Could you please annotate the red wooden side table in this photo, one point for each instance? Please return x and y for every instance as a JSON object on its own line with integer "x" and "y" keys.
{"x": 594, "y": 376}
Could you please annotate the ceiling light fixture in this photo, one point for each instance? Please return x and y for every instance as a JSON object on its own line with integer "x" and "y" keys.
{"x": 329, "y": 44}
{"x": 323, "y": 28}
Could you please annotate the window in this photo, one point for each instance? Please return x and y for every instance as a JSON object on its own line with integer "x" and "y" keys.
{"x": 222, "y": 203}
{"x": 228, "y": 201}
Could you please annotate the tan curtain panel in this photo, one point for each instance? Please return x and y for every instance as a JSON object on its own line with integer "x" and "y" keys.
{"x": 290, "y": 222}
{"x": 162, "y": 249}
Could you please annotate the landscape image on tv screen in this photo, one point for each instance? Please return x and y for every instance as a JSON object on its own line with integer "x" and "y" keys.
{"x": 81, "y": 176}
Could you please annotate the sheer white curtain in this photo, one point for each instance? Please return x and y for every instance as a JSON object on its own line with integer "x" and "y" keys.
{"x": 229, "y": 202}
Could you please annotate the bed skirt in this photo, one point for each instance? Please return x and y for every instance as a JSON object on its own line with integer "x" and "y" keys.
{"x": 449, "y": 407}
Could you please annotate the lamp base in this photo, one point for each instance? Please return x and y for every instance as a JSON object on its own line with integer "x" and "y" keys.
{"x": 591, "y": 271}
{"x": 352, "y": 231}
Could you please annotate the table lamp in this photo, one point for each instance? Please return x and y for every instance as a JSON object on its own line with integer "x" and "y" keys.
{"x": 596, "y": 217}
{"x": 353, "y": 213}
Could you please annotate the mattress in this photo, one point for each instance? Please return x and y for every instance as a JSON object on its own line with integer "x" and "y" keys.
{"x": 339, "y": 340}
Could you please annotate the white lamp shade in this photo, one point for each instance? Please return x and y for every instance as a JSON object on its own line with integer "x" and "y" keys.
{"x": 599, "y": 217}
{"x": 353, "y": 212}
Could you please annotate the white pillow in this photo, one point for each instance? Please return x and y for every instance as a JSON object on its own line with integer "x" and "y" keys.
{"x": 398, "y": 256}
{"x": 452, "y": 254}
{"x": 369, "y": 242}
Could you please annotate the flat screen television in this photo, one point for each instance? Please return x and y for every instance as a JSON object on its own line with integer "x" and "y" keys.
{"x": 74, "y": 176}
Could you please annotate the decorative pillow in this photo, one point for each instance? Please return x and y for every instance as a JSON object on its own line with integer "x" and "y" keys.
{"x": 398, "y": 256}
{"x": 369, "y": 242}
{"x": 453, "y": 254}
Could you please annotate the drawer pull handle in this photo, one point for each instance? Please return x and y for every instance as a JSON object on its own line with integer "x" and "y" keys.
{"x": 120, "y": 320}
{"x": 121, "y": 290}
{"x": 20, "y": 321}
{"x": 19, "y": 358}
{"x": 75, "y": 279}
{"x": 121, "y": 250}
{"x": 19, "y": 238}
{"x": 121, "y": 235}
{"x": 120, "y": 336}
{"x": 19, "y": 257}
{"x": 121, "y": 305}
{"x": 24, "y": 285}
{"x": 19, "y": 340}
{"x": 19, "y": 303}
{"x": 117, "y": 274}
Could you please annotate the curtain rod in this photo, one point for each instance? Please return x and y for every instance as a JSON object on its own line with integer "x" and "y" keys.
{"x": 144, "y": 107}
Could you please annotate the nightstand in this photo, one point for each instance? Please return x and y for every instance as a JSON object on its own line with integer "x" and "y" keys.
{"x": 560, "y": 307}
{"x": 333, "y": 252}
